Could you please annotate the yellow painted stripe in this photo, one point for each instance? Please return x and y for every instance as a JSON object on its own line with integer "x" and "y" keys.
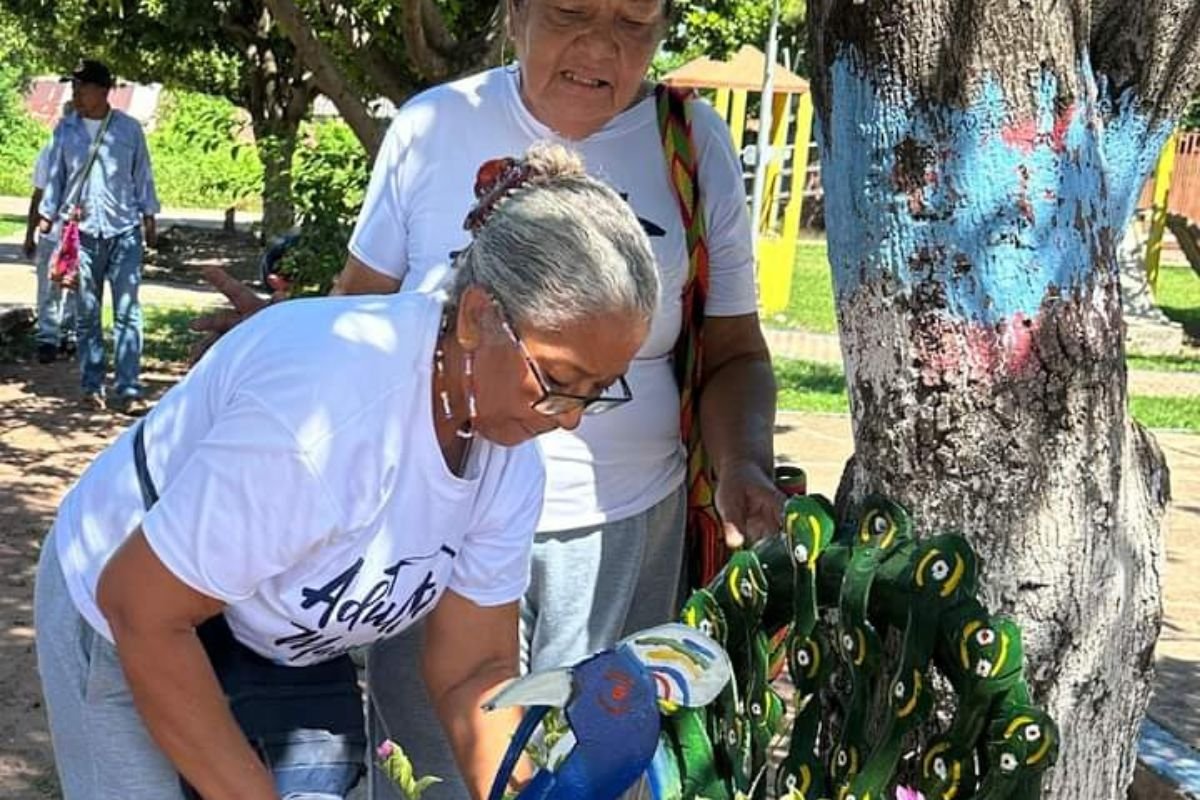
{"x": 972, "y": 626}
{"x": 911, "y": 705}
{"x": 925, "y": 563}
{"x": 1003, "y": 654}
{"x": 1015, "y": 724}
{"x": 1042, "y": 751}
{"x": 960, "y": 568}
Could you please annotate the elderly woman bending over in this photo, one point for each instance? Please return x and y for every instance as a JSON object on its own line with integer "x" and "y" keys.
{"x": 332, "y": 471}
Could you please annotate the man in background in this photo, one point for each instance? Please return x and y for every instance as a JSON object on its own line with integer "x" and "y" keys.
{"x": 55, "y": 305}
{"x": 117, "y": 202}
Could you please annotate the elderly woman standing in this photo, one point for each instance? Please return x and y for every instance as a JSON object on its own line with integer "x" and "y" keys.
{"x": 610, "y": 536}
{"x": 331, "y": 472}
{"x": 608, "y": 552}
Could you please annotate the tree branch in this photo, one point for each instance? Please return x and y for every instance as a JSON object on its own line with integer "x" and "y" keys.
{"x": 429, "y": 63}
{"x": 1151, "y": 47}
{"x": 327, "y": 75}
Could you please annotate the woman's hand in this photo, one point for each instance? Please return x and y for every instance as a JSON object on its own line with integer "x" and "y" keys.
{"x": 750, "y": 505}
{"x": 468, "y": 654}
{"x": 245, "y": 302}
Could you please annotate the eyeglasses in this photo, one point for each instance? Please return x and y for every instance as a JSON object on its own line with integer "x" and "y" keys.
{"x": 553, "y": 403}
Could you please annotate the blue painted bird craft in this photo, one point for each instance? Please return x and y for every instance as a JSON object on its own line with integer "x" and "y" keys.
{"x": 612, "y": 705}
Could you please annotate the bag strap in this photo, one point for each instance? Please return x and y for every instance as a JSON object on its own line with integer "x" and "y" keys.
{"x": 149, "y": 493}
{"x": 706, "y": 550}
{"x": 82, "y": 177}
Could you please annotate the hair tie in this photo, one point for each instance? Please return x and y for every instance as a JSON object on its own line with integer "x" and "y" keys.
{"x": 495, "y": 180}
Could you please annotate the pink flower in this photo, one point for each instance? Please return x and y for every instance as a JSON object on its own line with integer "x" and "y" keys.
{"x": 385, "y": 750}
{"x": 908, "y": 793}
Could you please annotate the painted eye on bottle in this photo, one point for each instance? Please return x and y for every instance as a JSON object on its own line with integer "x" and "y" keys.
{"x": 898, "y": 690}
{"x": 803, "y": 658}
{"x": 939, "y": 768}
{"x": 984, "y": 668}
{"x": 847, "y": 643}
{"x": 706, "y": 627}
{"x": 940, "y": 570}
{"x": 1008, "y": 762}
{"x": 1033, "y": 733}
{"x": 986, "y": 637}
{"x": 746, "y": 588}
{"x": 879, "y": 525}
{"x": 801, "y": 553}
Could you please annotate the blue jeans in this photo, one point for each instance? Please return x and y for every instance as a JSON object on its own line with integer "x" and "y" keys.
{"x": 56, "y": 306}
{"x": 118, "y": 260}
{"x": 102, "y": 750}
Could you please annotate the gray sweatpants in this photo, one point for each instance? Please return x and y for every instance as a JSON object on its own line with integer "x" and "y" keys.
{"x": 589, "y": 588}
{"x": 102, "y": 750}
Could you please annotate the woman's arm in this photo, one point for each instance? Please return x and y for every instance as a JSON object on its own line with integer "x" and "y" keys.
{"x": 470, "y": 652}
{"x": 153, "y": 616}
{"x": 737, "y": 420}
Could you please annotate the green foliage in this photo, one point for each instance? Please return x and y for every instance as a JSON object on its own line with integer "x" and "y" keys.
{"x": 20, "y": 135}
{"x": 717, "y": 28}
{"x": 200, "y": 157}
{"x": 330, "y": 173}
{"x": 1191, "y": 116}
{"x": 396, "y": 764}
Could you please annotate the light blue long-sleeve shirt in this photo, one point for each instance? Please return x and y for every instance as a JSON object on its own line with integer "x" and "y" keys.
{"x": 119, "y": 190}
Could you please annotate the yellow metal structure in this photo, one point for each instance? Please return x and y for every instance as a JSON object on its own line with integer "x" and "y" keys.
{"x": 1158, "y": 214}
{"x": 791, "y": 127}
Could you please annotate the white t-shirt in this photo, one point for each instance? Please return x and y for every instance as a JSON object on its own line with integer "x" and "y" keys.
{"x": 41, "y": 168}
{"x": 621, "y": 463}
{"x": 301, "y": 483}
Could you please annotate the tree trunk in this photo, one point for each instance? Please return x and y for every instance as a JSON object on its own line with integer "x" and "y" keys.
{"x": 327, "y": 74}
{"x": 978, "y": 173}
{"x": 278, "y": 101}
{"x": 276, "y": 139}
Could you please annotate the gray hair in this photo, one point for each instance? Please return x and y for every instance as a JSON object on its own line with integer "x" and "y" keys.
{"x": 560, "y": 248}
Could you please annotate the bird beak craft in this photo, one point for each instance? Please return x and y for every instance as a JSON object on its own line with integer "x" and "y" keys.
{"x": 612, "y": 703}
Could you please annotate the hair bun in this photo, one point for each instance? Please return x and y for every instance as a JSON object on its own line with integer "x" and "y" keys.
{"x": 500, "y": 177}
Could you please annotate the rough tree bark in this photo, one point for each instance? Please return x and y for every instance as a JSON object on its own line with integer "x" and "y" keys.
{"x": 980, "y": 162}
{"x": 329, "y": 78}
{"x": 277, "y": 93}
{"x": 432, "y": 53}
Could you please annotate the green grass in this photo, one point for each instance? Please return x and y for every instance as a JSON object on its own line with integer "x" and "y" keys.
{"x": 165, "y": 335}
{"x": 1178, "y": 413}
{"x": 1178, "y": 295}
{"x": 810, "y": 306}
{"x": 808, "y": 386}
{"x": 11, "y": 224}
{"x": 1164, "y": 363}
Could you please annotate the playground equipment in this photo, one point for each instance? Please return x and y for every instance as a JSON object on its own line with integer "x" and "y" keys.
{"x": 786, "y": 144}
{"x": 1173, "y": 197}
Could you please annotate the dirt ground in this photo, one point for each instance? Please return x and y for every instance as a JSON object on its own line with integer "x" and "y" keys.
{"x": 46, "y": 440}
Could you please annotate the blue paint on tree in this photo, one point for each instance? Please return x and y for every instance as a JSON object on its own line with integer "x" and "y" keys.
{"x": 990, "y": 212}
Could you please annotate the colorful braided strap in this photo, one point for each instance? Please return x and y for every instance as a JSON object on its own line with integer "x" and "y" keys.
{"x": 706, "y": 552}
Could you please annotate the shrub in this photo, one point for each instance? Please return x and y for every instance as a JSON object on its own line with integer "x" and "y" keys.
{"x": 20, "y": 136}
{"x": 330, "y": 173}
{"x": 201, "y": 157}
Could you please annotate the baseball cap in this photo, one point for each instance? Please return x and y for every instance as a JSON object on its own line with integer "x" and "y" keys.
{"x": 93, "y": 72}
